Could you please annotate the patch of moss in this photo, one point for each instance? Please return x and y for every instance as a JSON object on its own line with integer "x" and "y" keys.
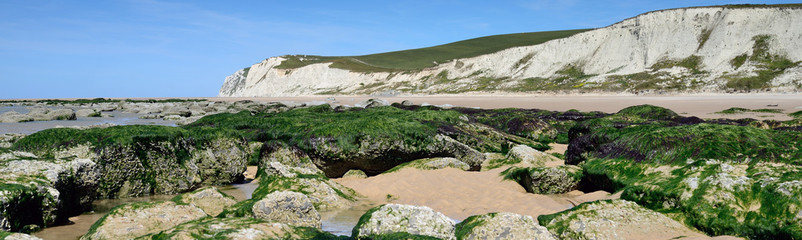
{"x": 647, "y": 111}
{"x": 738, "y": 61}
{"x": 770, "y": 66}
{"x": 692, "y": 63}
{"x": 735, "y": 110}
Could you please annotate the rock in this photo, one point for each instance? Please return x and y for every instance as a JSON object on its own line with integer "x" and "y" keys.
{"x": 20, "y": 236}
{"x": 7, "y": 139}
{"x": 289, "y": 208}
{"x": 42, "y": 193}
{"x": 396, "y": 218}
{"x": 355, "y": 173}
{"x": 288, "y": 156}
{"x": 221, "y": 161}
{"x": 529, "y": 156}
{"x": 177, "y": 111}
{"x": 86, "y": 112}
{"x": 459, "y": 150}
{"x": 14, "y": 117}
{"x": 373, "y": 102}
{"x": 431, "y": 164}
{"x": 239, "y": 228}
{"x": 546, "y": 180}
{"x": 614, "y": 219}
{"x": 137, "y": 219}
{"x": 56, "y": 114}
{"x": 407, "y": 103}
{"x": 208, "y": 199}
{"x": 502, "y": 226}
{"x": 324, "y": 193}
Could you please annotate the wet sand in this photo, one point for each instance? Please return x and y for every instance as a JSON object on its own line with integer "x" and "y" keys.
{"x": 459, "y": 194}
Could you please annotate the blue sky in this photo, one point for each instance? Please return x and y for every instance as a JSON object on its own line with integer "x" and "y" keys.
{"x": 165, "y": 48}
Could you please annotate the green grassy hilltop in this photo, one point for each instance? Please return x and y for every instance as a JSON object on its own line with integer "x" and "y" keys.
{"x": 428, "y": 57}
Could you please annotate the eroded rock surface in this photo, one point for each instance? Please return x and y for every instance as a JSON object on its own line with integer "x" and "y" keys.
{"x": 391, "y": 219}
{"x": 502, "y": 225}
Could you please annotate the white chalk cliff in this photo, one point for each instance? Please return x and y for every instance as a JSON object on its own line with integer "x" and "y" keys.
{"x": 705, "y": 49}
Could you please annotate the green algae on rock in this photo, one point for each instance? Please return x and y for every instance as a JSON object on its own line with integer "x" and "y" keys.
{"x": 501, "y": 225}
{"x": 391, "y": 220}
{"x": 238, "y": 228}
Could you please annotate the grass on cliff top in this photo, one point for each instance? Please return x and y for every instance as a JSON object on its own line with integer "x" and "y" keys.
{"x": 416, "y": 59}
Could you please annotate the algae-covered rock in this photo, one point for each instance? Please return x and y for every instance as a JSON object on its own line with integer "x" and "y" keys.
{"x": 614, "y": 219}
{"x": 238, "y": 228}
{"x": 502, "y": 225}
{"x": 355, "y": 173}
{"x": 717, "y": 197}
{"x": 17, "y": 236}
{"x": 7, "y": 139}
{"x": 287, "y": 207}
{"x": 432, "y": 163}
{"x": 13, "y": 117}
{"x": 44, "y": 192}
{"x": 209, "y": 199}
{"x": 137, "y": 219}
{"x": 388, "y": 219}
{"x": 546, "y": 180}
{"x": 529, "y": 156}
{"x": 144, "y": 160}
{"x": 324, "y": 193}
{"x": 221, "y": 161}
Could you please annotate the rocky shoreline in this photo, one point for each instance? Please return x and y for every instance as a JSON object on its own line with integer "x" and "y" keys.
{"x": 675, "y": 175}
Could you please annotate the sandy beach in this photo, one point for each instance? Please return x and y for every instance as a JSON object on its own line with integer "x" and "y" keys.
{"x": 459, "y": 194}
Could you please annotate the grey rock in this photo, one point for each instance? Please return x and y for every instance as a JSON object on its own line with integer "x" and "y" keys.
{"x": 208, "y": 199}
{"x": 548, "y": 180}
{"x": 14, "y": 117}
{"x": 355, "y": 173}
{"x": 502, "y": 226}
{"x": 289, "y": 208}
{"x": 21, "y": 236}
{"x": 529, "y": 156}
{"x": 85, "y": 112}
{"x": 615, "y": 219}
{"x": 397, "y": 218}
{"x": 137, "y": 219}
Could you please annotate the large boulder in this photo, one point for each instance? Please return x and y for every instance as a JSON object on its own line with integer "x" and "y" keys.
{"x": 396, "y": 219}
{"x": 238, "y": 228}
{"x": 502, "y": 226}
{"x": 546, "y": 180}
{"x": 287, "y": 207}
{"x": 44, "y": 114}
{"x": 221, "y": 161}
{"x": 42, "y": 193}
{"x": 208, "y": 199}
{"x": 529, "y": 156}
{"x": 14, "y": 117}
{"x": 324, "y": 193}
{"x": 17, "y": 236}
{"x": 137, "y": 219}
{"x": 614, "y": 219}
{"x": 432, "y": 164}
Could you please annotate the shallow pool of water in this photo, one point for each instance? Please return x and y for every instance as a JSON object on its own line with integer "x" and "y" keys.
{"x": 118, "y": 118}
{"x": 338, "y": 222}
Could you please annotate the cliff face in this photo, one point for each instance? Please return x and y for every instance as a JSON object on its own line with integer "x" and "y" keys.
{"x": 709, "y": 49}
